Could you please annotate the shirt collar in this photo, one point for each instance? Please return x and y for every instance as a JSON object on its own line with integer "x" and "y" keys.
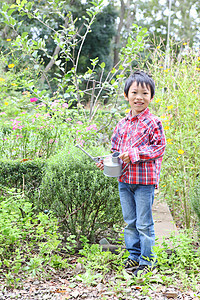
{"x": 140, "y": 116}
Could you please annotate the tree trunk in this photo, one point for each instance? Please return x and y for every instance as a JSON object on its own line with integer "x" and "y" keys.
{"x": 117, "y": 45}
{"x": 127, "y": 17}
{"x": 52, "y": 61}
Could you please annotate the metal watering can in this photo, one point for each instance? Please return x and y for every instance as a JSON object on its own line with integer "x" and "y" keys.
{"x": 112, "y": 163}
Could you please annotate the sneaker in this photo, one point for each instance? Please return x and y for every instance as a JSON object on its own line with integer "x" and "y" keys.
{"x": 142, "y": 270}
{"x": 131, "y": 265}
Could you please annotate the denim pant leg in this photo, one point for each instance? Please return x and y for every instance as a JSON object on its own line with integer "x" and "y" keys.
{"x": 139, "y": 235}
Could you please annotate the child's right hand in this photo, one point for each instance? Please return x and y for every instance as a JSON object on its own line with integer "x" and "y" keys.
{"x": 100, "y": 165}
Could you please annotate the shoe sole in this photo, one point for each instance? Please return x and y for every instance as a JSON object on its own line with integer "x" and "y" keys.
{"x": 130, "y": 270}
{"x": 141, "y": 278}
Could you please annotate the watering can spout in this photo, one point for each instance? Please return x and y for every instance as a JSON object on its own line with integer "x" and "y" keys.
{"x": 112, "y": 163}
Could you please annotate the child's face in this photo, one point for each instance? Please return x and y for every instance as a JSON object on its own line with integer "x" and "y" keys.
{"x": 139, "y": 97}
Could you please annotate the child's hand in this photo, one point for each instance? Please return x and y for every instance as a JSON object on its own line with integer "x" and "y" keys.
{"x": 100, "y": 165}
{"x": 125, "y": 157}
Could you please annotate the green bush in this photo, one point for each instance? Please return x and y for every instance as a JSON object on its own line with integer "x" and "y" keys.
{"x": 28, "y": 241}
{"x": 69, "y": 185}
{"x": 85, "y": 201}
{"x": 21, "y": 175}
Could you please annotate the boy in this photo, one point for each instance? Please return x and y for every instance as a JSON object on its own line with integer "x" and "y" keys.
{"x": 140, "y": 139}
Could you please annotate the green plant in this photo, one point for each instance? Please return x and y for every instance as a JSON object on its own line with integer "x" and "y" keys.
{"x": 28, "y": 241}
{"x": 178, "y": 267}
{"x": 177, "y": 104}
{"x": 23, "y": 175}
{"x": 85, "y": 201}
{"x": 182, "y": 262}
{"x": 42, "y": 119}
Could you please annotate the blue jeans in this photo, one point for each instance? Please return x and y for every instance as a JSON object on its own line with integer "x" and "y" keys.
{"x": 136, "y": 201}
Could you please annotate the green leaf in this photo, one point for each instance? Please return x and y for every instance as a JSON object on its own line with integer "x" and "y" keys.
{"x": 24, "y": 34}
{"x": 12, "y": 21}
{"x": 112, "y": 81}
{"x": 29, "y": 5}
{"x": 5, "y": 7}
{"x": 89, "y": 14}
{"x": 102, "y": 65}
{"x": 9, "y": 13}
{"x": 13, "y": 5}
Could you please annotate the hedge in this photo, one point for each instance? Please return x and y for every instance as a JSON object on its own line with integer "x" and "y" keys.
{"x": 70, "y": 185}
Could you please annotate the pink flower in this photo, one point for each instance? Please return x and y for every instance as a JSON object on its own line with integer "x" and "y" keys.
{"x": 79, "y": 122}
{"x": 2, "y": 113}
{"x": 55, "y": 103}
{"x": 15, "y": 122}
{"x": 34, "y": 99}
{"x": 91, "y": 127}
{"x": 33, "y": 120}
{"x": 51, "y": 141}
{"x": 81, "y": 142}
{"x": 65, "y": 105}
{"x": 68, "y": 119}
{"x": 24, "y": 112}
{"x": 47, "y": 115}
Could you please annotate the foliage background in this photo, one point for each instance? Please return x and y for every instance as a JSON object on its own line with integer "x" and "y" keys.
{"x": 55, "y": 91}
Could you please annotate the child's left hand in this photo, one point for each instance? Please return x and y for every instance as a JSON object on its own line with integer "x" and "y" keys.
{"x": 125, "y": 157}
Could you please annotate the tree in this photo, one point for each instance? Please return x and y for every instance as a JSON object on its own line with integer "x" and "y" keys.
{"x": 153, "y": 14}
{"x": 70, "y": 83}
{"x": 126, "y": 12}
{"x": 43, "y": 19}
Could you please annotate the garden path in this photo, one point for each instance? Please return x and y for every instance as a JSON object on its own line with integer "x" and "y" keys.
{"x": 163, "y": 221}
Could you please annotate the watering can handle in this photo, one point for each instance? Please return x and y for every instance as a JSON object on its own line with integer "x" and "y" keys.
{"x": 93, "y": 158}
{"x": 96, "y": 159}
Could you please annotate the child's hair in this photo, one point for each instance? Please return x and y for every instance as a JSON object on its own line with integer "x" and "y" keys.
{"x": 141, "y": 78}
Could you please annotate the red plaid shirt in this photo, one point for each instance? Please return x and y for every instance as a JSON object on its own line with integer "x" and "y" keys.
{"x": 143, "y": 137}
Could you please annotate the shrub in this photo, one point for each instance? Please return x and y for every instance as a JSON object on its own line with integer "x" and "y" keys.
{"x": 28, "y": 241}
{"x": 85, "y": 201}
{"x": 21, "y": 175}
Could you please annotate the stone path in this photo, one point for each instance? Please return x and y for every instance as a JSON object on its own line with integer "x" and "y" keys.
{"x": 163, "y": 221}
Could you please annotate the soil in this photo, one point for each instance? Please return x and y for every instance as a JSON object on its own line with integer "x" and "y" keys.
{"x": 64, "y": 285}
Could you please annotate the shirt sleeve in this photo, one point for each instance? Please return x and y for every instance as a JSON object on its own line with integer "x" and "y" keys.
{"x": 151, "y": 151}
{"x": 115, "y": 139}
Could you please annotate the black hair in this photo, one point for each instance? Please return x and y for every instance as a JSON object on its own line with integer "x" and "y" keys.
{"x": 141, "y": 78}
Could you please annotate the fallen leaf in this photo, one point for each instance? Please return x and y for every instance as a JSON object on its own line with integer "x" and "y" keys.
{"x": 74, "y": 294}
{"x": 170, "y": 294}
